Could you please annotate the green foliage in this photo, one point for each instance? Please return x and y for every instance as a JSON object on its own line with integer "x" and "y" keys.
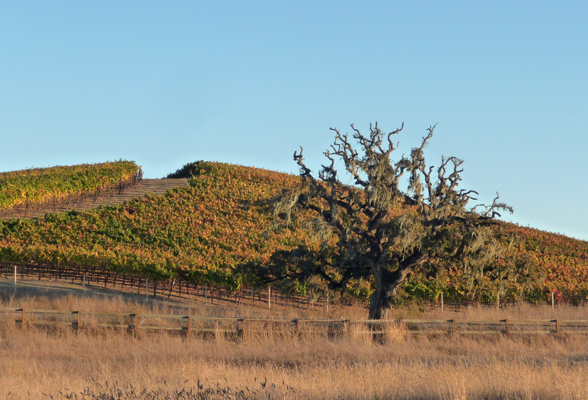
{"x": 43, "y": 184}
{"x": 194, "y": 169}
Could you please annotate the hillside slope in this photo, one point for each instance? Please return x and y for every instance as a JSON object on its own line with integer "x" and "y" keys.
{"x": 207, "y": 231}
{"x": 199, "y": 232}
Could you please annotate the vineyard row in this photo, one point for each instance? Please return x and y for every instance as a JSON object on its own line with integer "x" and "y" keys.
{"x": 66, "y": 203}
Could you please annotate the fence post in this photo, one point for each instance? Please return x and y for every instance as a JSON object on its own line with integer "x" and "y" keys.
{"x": 297, "y": 327}
{"x": 453, "y": 327}
{"x": 189, "y": 333}
{"x": 15, "y": 276}
{"x": 75, "y": 324}
{"x": 84, "y": 281}
{"x": 498, "y": 300}
{"x": 135, "y": 325}
{"x": 327, "y": 304}
{"x": 242, "y": 334}
{"x": 269, "y": 298}
{"x": 557, "y": 328}
{"x": 552, "y": 300}
{"x": 147, "y": 290}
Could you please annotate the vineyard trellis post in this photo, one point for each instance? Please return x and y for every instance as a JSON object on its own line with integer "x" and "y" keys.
{"x": 441, "y": 301}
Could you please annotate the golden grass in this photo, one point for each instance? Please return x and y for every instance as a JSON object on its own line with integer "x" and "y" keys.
{"x": 33, "y": 363}
{"x": 113, "y": 365}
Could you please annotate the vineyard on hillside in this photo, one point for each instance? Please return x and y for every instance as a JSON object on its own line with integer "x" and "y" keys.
{"x": 201, "y": 233}
{"x": 218, "y": 231}
{"x": 30, "y": 186}
{"x": 562, "y": 264}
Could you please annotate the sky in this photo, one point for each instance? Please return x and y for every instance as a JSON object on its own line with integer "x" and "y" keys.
{"x": 168, "y": 83}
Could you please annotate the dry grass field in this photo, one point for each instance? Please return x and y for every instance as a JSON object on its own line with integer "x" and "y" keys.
{"x": 36, "y": 364}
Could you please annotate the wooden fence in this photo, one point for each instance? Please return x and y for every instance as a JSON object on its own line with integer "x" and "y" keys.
{"x": 244, "y": 329}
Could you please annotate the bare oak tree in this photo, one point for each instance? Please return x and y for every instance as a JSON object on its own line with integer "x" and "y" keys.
{"x": 379, "y": 229}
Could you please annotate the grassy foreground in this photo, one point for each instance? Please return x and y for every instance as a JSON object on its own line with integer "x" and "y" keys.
{"x": 34, "y": 363}
{"x": 41, "y": 365}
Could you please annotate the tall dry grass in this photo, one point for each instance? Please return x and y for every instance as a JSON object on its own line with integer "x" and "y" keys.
{"x": 113, "y": 365}
{"x": 34, "y": 362}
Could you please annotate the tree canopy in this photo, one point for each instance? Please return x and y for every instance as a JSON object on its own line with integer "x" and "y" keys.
{"x": 398, "y": 216}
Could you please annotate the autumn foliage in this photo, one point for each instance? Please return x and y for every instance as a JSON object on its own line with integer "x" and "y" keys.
{"x": 220, "y": 227}
{"x": 203, "y": 232}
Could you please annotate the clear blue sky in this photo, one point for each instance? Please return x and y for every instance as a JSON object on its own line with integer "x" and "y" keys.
{"x": 246, "y": 82}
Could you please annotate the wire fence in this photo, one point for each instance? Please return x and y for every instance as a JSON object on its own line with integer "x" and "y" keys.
{"x": 246, "y": 296}
{"x": 180, "y": 290}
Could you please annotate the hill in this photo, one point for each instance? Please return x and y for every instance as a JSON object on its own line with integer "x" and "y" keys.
{"x": 200, "y": 232}
{"x": 219, "y": 224}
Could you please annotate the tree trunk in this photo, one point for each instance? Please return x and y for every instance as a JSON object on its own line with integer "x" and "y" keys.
{"x": 380, "y": 301}
{"x": 388, "y": 283}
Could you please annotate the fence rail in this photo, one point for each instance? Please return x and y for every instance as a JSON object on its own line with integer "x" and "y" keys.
{"x": 243, "y": 329}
